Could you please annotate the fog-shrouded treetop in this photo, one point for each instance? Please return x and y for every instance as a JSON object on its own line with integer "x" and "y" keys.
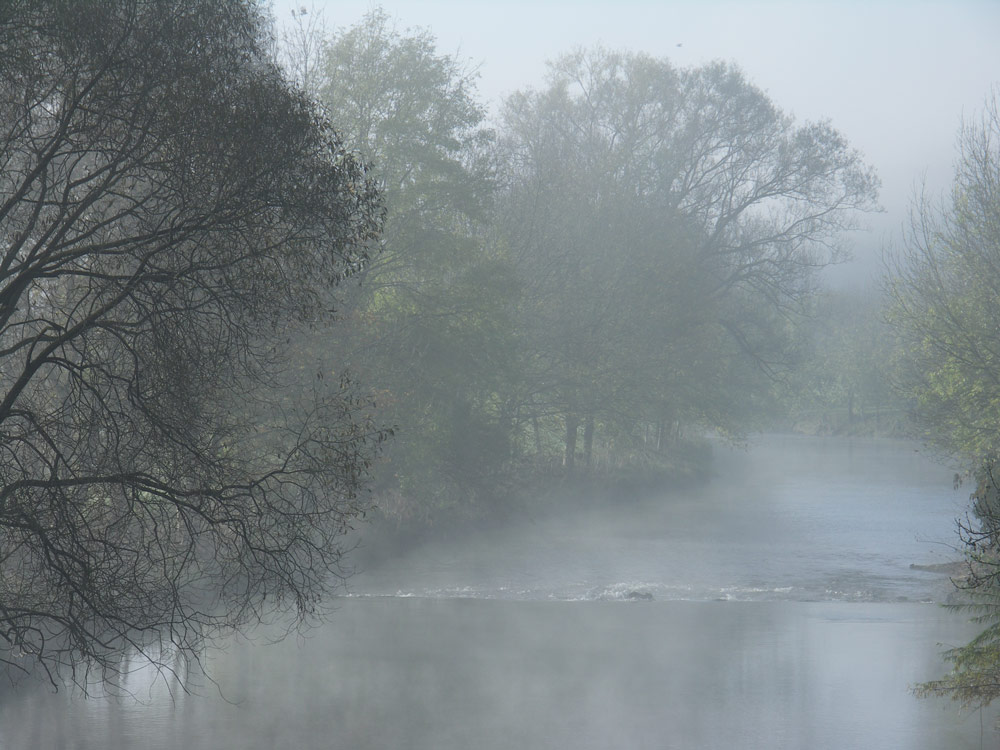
{"x": 665, "y": 222}
{"x": 894, "y": 77}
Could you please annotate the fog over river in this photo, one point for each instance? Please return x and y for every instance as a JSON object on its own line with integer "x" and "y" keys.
{"x": 773, "y": 607}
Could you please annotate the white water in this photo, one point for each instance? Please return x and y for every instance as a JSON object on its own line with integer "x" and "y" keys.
{"x": 785, "y": 614}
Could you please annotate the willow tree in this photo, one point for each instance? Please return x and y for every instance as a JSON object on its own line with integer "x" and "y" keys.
{"x": 171, "y": 211}
{"x": 712, "y": 208}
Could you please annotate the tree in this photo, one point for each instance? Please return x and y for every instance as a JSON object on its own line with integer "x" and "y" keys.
{"x": 944, "y": 305}
{"x": 301, "y": 48}
{"x": 665, "y": 222}
{"x": 429, "y": 330}
{"x": 843, "y": 382}
{"x": 943, "y": 291}
{"x": 171, "y": 213}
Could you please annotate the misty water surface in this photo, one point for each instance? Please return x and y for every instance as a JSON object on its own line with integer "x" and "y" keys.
{"x": 792, "y": 518}
{"x": 785, "y": 614}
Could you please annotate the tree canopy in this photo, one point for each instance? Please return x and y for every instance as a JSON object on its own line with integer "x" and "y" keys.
{"x": 665, "y": 222}
{"x": 429, "y": 333}
{"x": 944, "y": 306}
{"x": 944, "y": 302}
{"x": 171, "y": 210}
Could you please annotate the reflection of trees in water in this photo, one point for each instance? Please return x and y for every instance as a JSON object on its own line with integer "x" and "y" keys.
{"x": 449, "y": 675}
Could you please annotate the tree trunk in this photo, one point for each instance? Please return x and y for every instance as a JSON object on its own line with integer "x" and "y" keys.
{"x": 569, "y": 461}
{"x": 588, "y": 440}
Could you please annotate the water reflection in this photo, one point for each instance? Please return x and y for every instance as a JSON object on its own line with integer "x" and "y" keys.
{"x": 792, "y": 518}
{"x": 485, "y": 674}
{"x": 526, "y": 637}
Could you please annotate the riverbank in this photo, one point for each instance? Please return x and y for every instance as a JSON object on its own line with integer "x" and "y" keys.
{"x": 541, "y": 492}
{"x": 894, "y": 425}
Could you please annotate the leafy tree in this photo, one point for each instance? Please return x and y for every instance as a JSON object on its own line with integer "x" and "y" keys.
{"x": 664, "y": 222}
{"x": 429, "y": 319}
{"x": 171, "y": 213}
{"x": 944, "y": 305}
{"x": 844, "y": 379}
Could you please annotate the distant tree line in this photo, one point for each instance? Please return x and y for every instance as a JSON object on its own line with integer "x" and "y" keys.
{"x": 614, "y": 259}
{"x": 846, "y": 369}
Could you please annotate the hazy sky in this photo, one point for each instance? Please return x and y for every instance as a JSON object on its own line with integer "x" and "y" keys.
{"x": 894, "y": 77}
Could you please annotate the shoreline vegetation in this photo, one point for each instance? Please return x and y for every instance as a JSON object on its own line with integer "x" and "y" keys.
{"x": 891, "y": 424}
{"x": 549, "y": 490}
{"x": 541, "y": 491}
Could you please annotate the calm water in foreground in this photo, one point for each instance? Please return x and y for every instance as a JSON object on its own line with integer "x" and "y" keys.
{"x": 785, "y": 614}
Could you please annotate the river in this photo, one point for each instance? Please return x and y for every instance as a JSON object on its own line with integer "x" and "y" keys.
{"x": 774, "y": 607}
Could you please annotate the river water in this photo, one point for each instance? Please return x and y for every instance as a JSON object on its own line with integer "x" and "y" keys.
{"x": 774, "y": 607}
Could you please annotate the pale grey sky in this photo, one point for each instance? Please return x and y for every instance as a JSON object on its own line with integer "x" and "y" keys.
{"x": 895, "y": 78}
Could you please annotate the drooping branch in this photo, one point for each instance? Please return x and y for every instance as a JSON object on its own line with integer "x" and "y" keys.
{"x": 172, "y": 212}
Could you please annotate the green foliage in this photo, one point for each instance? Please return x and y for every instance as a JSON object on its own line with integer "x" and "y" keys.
{"x": 944, "y": 305}
{"x": 944, "y": 297}
{"x": 846, "y": 360}
{"x": 617, "y": 262}
{"x": 975, "y": 666}
{"x": 974, "y": 679}
{"x": 665, "y": 224}
{"x": 430, "y": 333}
